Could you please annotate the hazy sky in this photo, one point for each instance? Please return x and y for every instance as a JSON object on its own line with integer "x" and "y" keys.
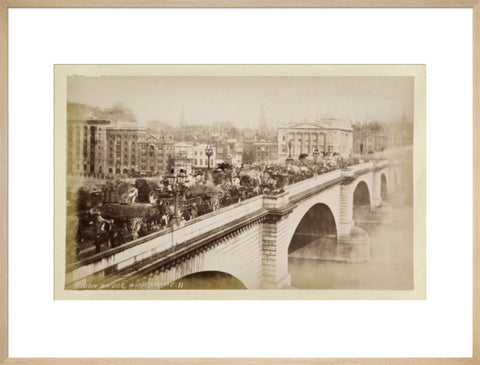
{"x": 239, "y": 99}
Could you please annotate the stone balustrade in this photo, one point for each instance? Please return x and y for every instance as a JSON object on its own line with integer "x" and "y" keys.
{"x": 307, "y": 184}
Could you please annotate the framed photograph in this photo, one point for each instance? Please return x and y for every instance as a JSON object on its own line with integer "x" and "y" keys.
{"x": 291, "y": 185}
{"x": 307, "y": 200}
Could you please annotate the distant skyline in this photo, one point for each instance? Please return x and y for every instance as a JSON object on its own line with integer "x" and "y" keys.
{"x": 205, "y": 100}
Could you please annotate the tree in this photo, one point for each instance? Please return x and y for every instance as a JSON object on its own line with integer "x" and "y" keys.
{"x": 77, "y": 111}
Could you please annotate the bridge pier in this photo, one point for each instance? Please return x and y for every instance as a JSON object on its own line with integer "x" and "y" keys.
{"x": 381, "y": 211}
{"x": 376, "y": 189}
{"x": 353, "y": 244}
{"x": 353, "y": 247}
{"x": 275, "y": 242}
{"x": 381, "y": 214}
{"x": 346, "y": 222}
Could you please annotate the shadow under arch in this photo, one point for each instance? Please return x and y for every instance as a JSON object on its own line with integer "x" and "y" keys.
{"x": 316, "y": 224}
{"x": 361, "y": 195}
{"x": 207, "y": 280}
{"x": 361, "y": 203}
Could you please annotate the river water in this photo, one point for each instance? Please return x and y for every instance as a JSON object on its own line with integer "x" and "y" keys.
{"x": 390, "y": 266}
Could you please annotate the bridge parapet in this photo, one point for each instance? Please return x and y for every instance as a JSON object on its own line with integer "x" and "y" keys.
{"x": 96, "y": 267}
{"x": 362, "y": 166}
{"x": 313, "y": 182}
{"x": 218, "y": 218}
{"x": 382, "y": 163}
{"x": 276, "y": 201}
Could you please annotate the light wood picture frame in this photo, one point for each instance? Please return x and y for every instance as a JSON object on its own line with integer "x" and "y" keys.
{"x": 5, "y": 5}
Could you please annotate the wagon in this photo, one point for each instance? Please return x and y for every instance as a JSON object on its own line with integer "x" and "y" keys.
{"x": 127, "y": 219}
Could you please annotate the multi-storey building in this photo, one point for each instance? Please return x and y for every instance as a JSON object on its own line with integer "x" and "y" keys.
{"x": 97, "y": 148}
{"x": 182, "y": 158}
{"x": 368, "y": 138}
{"x": 200, "y": 158}
{"x": 183, "y": 149}
{"x": 328, "y": 135}
{"x": 166, "y": 148}
{"x": 151, "y": 156}
{"x": 86, "y": 147}
{"x": 229, "y": 151}
{"x": 125, "y": 145}
{"x": 375, "y": 136}
{"x": 259, "y": 151}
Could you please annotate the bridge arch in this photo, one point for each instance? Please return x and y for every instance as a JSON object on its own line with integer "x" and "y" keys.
{"x": 237, "y": 256}
{"x": 317, "y": 223}
{"x": 328, "y": 197}
{"x": 361, "y": 194}
{"x": 207, "y": 280}
{"x": 244, "y": 273}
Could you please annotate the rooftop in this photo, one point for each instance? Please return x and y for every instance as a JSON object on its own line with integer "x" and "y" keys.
{"x": 323, "y": 123}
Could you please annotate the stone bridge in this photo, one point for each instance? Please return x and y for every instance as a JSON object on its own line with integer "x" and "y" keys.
{"x": 252, "y": 240}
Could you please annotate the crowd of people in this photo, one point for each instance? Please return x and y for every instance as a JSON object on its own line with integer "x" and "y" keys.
{"x": 119, "y": 212}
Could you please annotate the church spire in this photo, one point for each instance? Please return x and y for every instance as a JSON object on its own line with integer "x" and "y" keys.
{"x": 183, "y": 122}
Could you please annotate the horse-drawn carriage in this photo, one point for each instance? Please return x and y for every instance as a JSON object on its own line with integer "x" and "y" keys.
{"x": 109, "y": 216}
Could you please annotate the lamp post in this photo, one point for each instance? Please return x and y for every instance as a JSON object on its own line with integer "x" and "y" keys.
{"x": 315, "y": 157}
{"x": 289, "y": 159}
{"x": 209, "y": 153}
{"x": 176, "y": 182}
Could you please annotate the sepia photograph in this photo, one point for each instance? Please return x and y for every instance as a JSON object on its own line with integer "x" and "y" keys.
{"x": 240, "y": 182}
{"x": 253, "y": 182}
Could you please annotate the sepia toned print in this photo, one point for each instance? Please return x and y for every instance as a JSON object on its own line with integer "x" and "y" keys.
{"x": 193, "y": 183}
